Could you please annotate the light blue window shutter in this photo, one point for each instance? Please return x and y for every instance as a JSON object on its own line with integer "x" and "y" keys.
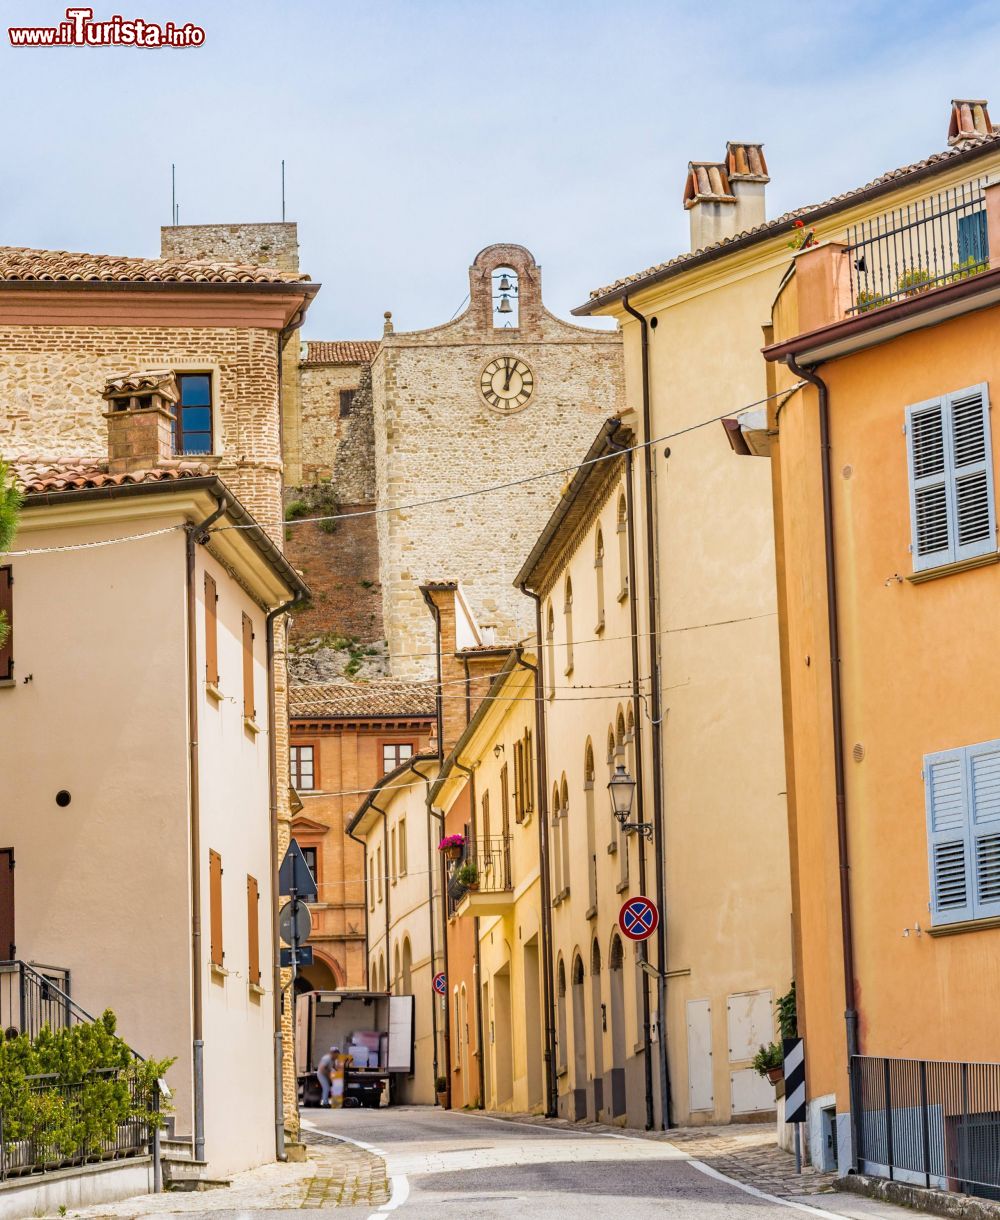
{"x": 946, "y": 792}
{"x": 973, "y": 238}
{"x": 928, "y": 454}
{"x": 972, "y": 507}
{"x": 984, "y": 785}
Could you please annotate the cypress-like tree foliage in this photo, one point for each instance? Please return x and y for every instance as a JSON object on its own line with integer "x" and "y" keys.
{"x": 10, "y": 506}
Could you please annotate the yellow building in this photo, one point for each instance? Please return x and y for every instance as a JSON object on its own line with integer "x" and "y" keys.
{"x": 885, "y": 466}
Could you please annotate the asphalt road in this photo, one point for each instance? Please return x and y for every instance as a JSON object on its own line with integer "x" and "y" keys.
{"x": 446, "y": 1164}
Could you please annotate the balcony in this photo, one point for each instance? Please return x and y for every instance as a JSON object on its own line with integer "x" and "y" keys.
{"x": 926, "y": 244}
{"x": 480, "y": 883}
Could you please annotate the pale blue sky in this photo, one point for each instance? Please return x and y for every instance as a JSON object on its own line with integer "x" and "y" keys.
{"x": 417, "y": 132}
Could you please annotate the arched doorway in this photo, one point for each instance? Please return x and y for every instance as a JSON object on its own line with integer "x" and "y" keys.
{"x": 619, "y": 1044}
{"x": 562, "y": 1049}
{"x": 597, "y": 1027}
{"x": 579, "y": 1042}
{"x": 503, "y": 1036}
{"x": 320, "y": 976}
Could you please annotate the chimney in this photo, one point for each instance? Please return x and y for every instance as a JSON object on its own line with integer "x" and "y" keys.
{"x": 970, "y": 121}
{"x": 139, "y": 419}
{"x": 724, "y": 198}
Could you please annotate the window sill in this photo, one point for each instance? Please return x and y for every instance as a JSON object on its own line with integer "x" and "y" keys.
{"x": 623, "y": 595}
{"x": 219, "y": 972}
{"x": 599, "y": 629}
{"x": 562, "y": 1071}
{"x": 950, "y": 569}
{"x": 591, "y": 912}
{"x": 7, "y": 682}
{"x": 213, "y": 692}
{"x": 965, "y": 925}
{"x": 251, "y": 726}
{"x": 622, "y": 886}
{"x": 256, "y": 990}
{"x": 612, "y": 848}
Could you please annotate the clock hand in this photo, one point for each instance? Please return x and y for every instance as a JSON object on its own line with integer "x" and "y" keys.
{"x": 507, "y": 364}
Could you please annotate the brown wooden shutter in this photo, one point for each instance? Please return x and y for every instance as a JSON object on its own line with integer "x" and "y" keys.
{"x": 253, "y": 929}
{"x": 249, "y": 710}
{"x": 529, "y": 773}
{"x": 8, "y": 949}
{"x": 215, "y": 906}
{"x": 7, "y": 606}
{"x": 211, "y": 632}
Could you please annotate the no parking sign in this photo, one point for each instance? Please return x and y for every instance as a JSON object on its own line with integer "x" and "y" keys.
{"x": 638, "y": 918}
{"x": 440, "y": 984}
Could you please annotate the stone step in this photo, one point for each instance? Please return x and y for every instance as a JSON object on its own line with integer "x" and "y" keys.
{"x": 185, "y": 1173}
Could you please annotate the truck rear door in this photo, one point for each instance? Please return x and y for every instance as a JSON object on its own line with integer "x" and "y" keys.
{"x": 400, "y": 1034}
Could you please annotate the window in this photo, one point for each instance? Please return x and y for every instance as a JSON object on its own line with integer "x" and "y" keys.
{"x": 550, "y": 640}
{"x": 599, "y": 578}
{"x": 253, "y": 930}
{"x": 402, "y": 856}
{"x": 392, "y": 855}
{"x": 973, "y": 242}
{"x": 962, "y": 790}
{"x": 346, "y": 402}
{"x": 622, "y": 549}
{"x": 371, "y": 884}
{"x": 506, "y": 311}
{"x": 505, "y": 798}
{"x": 303, "y": 768}
{"x": 7, "y": 618}
{"x": 215, "y": 907}
{"x": 379, "y": 871}
{"x": 249, "y": 707}
{"x": 211, "y": 632}
{"x": 951, "y": 478}
{"x": 484, "y": 828}
{"x": 568, "y": 612}
{"x": 529, "y": 773}
{"x": 394, "y": 753}
{"x": 524, "y": 776}
{"x": 192, "y": 428}
{"x": 310, "y": 857}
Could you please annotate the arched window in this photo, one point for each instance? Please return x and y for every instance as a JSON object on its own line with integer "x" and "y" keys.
{"x": 579, "y": 1027}
{"x": 568, "y": 611}
{"x": 381, "y": 973}
{"x": 622, "y": 833}
{"x": 599, "y": 578}
{"x": 556, "y": 845}
{"x": 550, "y": 641}
{"x": 612, "y": 754}
{"x": 589, "y": 798}
{"x": 396, "y": 969}
{"x": 406, "y": 984}
{"x": 564, "y": 829}
{"x": 622, "y": 548}
{"x": 620, "y": 736}
{"x": 616, "y": 989}
{"x": 506, "y": 309}
{"x": 561, "y": 1048}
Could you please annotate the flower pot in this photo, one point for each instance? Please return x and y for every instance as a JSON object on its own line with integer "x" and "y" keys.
{"x": 776, "y": 1073}
{"x": 442, "y": 1100}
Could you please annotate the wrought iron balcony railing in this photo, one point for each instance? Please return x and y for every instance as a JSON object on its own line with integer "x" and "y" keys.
{"x": 922, "y": 245}
{"x": 32, "y": 996}
{"x": 484, "y": 868}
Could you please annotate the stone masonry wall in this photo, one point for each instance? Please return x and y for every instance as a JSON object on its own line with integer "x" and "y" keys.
{"x": 435, "y": 435}
{"x": 274, "y": 244}
{"x": 334, "y": 447}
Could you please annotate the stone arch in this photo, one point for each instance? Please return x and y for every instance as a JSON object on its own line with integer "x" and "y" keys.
{"x": 568, "y": 615}
{"x": 599, "y": 575}
{"x": 325, "y": 974}
{"x": 620, "y": 733}
{"x": 406, "y": 975}
{"x": 622, "y": 530}
{"x": 564, "y": 829}
{"x": 561, "y": 1046}
{"x": 512, "y": 258}
{"x": 597, "y": 1023}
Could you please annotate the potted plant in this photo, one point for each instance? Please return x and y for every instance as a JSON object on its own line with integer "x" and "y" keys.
{"x": 913, "y": 280}
{"x": 441, "y": 1089}
{"x": 769, "y": 1062}
{"x": 452, "y": 846}
{"x": 467, "y": 875}
{"x": 801, "y": 237}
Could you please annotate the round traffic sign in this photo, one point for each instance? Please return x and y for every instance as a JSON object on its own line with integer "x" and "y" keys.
{"x": 294, "y": 918}
{"x": 440, "y": 984}
{"x": 638, "y": 918}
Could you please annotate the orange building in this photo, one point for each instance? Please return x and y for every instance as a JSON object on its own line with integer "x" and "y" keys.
{"x": 884, "y": 473}
{"x": 344, "y": 738}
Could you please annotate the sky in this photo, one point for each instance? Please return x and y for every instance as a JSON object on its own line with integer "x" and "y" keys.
{"x": 416, "y": 132}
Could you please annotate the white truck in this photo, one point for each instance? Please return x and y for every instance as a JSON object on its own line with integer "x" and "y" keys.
{"x": 375, "y": 1029}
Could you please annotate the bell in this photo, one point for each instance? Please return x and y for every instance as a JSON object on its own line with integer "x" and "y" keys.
{"x": 505, "y": 305}
{"x": 504, "y": 284}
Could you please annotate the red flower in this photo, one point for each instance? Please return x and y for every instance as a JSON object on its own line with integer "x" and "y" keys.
{"x": 799, "y": 224}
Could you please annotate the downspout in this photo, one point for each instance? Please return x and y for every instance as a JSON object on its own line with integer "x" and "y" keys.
{"x": 542, "y": 780}
{"x": 637, "y": 721}
{"x": 364, "y": 848}
{"x": 837, "y": 709}
{"x": 656, "y": 718}
{"x": 477, "y": 998}
{"x": 272, "y": 764}
{"x": 196, "y": 534}
{"x": 430, "y": 905}
{"x": 385, "y": 884}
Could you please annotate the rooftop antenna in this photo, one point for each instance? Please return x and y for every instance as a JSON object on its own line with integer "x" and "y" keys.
{"x": 173, "y": 193}
{"x": 282, "y": 190}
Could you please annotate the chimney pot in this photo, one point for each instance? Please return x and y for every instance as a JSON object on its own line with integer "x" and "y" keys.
{"x": 724, "y": 198}
{"x": 970, "y": 121}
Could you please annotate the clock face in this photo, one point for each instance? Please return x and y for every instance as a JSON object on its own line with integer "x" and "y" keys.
{"x": 507, "y": 383}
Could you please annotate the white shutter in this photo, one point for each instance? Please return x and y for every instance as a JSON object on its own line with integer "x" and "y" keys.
{"x": 930, "y": 515}
{"x": 972, "y": 465}
{"x": 946, "y": 794}
{"x": 400, "y": 1057}
{"x": 984, "y": 786}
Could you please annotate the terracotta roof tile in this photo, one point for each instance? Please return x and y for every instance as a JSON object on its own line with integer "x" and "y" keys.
{"x": 380, "y": 697}
{"x": 771, "y": 227}
{"x": 342, "y": 351}
{"x": 37, "y": 475}
{"x": 746, "y": 161}
{"x": 20, "y": 263}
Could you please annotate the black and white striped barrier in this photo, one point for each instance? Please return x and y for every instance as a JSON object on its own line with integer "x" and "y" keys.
{"x": 795, "y": 1090}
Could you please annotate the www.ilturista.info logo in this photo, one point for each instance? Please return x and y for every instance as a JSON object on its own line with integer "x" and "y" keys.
{"x": 81, "y": 30}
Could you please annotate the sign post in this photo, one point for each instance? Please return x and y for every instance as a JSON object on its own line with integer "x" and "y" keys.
{"x": 795, "y": 1090}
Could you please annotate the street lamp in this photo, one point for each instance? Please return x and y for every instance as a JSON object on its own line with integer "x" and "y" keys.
{"x": 622, "y": 789}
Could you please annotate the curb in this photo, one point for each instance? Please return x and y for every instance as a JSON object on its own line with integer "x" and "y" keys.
{"x": 920, "y": 1198}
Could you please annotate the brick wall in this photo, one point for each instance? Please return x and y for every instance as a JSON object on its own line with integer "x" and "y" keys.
{"x": 341, "y": 569}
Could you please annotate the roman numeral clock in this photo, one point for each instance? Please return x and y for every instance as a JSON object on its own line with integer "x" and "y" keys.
{"x": 507, "y": 384}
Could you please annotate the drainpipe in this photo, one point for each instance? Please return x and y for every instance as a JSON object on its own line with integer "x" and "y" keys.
{"x": 364, "y": 849}
{"x": 272, "y": 764}
{"x": 836, "y": 708}
{"x": 656, "y": 717}
{"x": 430, "y": 902}
{"x": 477, "y": 998}
{"x": 637, "y": 740}
{"x": 385, "y": 883}
{"x": 542, "y": 780}
{"x": 196, "y": 534}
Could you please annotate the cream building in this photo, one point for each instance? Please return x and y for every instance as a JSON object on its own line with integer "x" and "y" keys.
{"x": 142, "y": 807}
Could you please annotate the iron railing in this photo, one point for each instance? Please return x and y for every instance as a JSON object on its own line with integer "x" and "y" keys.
{"x": 928, "y": 1122}
{"x": 110, "y": 1114}
{"x": 33, "y": 996}
{"x": 483, "y": 867}
{"x": 921, "y": 245}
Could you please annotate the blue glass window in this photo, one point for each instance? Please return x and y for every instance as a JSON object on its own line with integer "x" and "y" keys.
{"x": 192, "y": 428}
